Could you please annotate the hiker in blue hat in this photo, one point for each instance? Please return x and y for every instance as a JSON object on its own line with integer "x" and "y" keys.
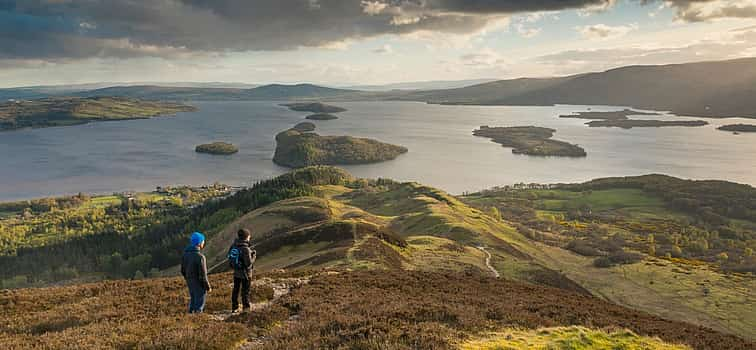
{"x": 194, "y": 270}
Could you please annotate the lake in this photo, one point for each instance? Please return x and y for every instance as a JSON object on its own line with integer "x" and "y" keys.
{"x": 139, "y": 155}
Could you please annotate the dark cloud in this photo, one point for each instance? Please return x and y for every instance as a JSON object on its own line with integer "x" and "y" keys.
{"x": 72, "y": 29}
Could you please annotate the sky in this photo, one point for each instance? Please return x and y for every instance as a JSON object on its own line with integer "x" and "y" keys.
{"x": 350, "y": 42}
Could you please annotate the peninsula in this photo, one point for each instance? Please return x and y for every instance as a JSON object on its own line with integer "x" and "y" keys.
{"x": 296, "y": 149}
{"x": 640, "y": 123}
{"x": 313, "y": 107}
{"x": 612, "y": 115}
{"x": 48, "y": 112}
{"x": 530, "y": 140}
{"x": 738, "y": 128}
{"x": 620, "y": 119}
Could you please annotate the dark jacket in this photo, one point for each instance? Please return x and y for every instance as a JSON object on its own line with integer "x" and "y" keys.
{"x": 194, "y": 268}
{"x": 247, "y": 255}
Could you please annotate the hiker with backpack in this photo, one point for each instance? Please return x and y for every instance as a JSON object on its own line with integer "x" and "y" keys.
{"x": 241, "y": 257}
{"x": 194, "y": 270}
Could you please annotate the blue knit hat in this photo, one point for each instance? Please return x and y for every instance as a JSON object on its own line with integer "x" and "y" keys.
{"x": 197, "y": 238}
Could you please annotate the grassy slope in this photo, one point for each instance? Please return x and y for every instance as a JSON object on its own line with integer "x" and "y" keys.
{"x": 568, "y": 338}
{"x": 659, "y": 286}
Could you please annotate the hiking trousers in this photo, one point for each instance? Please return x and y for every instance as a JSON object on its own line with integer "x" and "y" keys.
{"x": 197, "y": 295}
{"x": 240, "y": 285}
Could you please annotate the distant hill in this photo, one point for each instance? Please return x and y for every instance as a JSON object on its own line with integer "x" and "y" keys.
{"x": 422, "y": 85}
{"x": 706, "y": 89}
{"x": 265, "y": 92}
{"x": 711, "y": 89}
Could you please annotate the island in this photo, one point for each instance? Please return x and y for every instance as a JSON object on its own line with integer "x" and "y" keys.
{"x": 736, "y": 128}
{"x": 640, "y": 123}
{"x": 620, "y": 119}
{"x": 296, "y": 149}
{"x": 530, "y": 140}
{"x": 313, "y": 107}
{"x": 304, "y": 127}
{"x": 218, "y": 148}
{"x": 321, "y": 116}
{"x": 613, "y": 115}
{"x": 63, "y": 111}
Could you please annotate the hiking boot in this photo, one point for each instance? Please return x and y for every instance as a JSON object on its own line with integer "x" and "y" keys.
{"x": 236, "y": 310}
{"x": 247, "y": 309}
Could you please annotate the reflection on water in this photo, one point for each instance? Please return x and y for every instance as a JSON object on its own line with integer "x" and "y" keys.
{"x": 142, "y": 154}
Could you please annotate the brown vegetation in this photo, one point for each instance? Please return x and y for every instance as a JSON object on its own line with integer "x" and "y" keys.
{"x": 418, "y": 310}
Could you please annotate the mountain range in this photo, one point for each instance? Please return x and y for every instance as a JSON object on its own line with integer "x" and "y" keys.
{"x": 706, "y": 89}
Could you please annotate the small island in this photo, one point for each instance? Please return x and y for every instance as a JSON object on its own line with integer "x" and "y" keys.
{"x": 613, "y": 115}
{"x": 217, "y": 148}
{"x": 736, "y": 128}
{"x": 313, "y": 107}
{"x": 530, "y": 140}
{"x": 620, "y": 119}
{"x": 321, "y": 116}
{"x": 640, "y": 123}
{"x": 304, "y": 127}
{"x": 49, "y": 112}
{"x": 296, "y": 149}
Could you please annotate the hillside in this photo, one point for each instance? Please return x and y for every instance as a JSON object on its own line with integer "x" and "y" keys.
{"x": 627, "y": 239}
{"x": 71, "y": 111}
{"x": 271, "y": 92}
{"x": 335, "y": 309}
{"x": 706, "y": 89}
{"x": 429, "y": 247}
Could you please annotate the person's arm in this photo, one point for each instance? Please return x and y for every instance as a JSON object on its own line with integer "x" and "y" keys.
{"x": 183, "y": 266}
{"x": 203, "y": 273}
{"x": 247, "y": 257}
{"x": 253, "y": 257}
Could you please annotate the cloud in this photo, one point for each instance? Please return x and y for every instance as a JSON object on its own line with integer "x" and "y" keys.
{"x": 596, "y": 8}
{"x": 729, "y": 45}
{"x": 705, "y": 10}
{"x": 603, "y": 31}
{"x": 384, "y": 50}
{"x": 485, "y": 58}
{"x": 76, "y": 29}
{"x": 527, "y": 32}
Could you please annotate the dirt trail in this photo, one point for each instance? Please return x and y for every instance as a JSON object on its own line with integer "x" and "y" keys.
{"x": 488, "y": 262}
{"x": 281, "y": 287}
